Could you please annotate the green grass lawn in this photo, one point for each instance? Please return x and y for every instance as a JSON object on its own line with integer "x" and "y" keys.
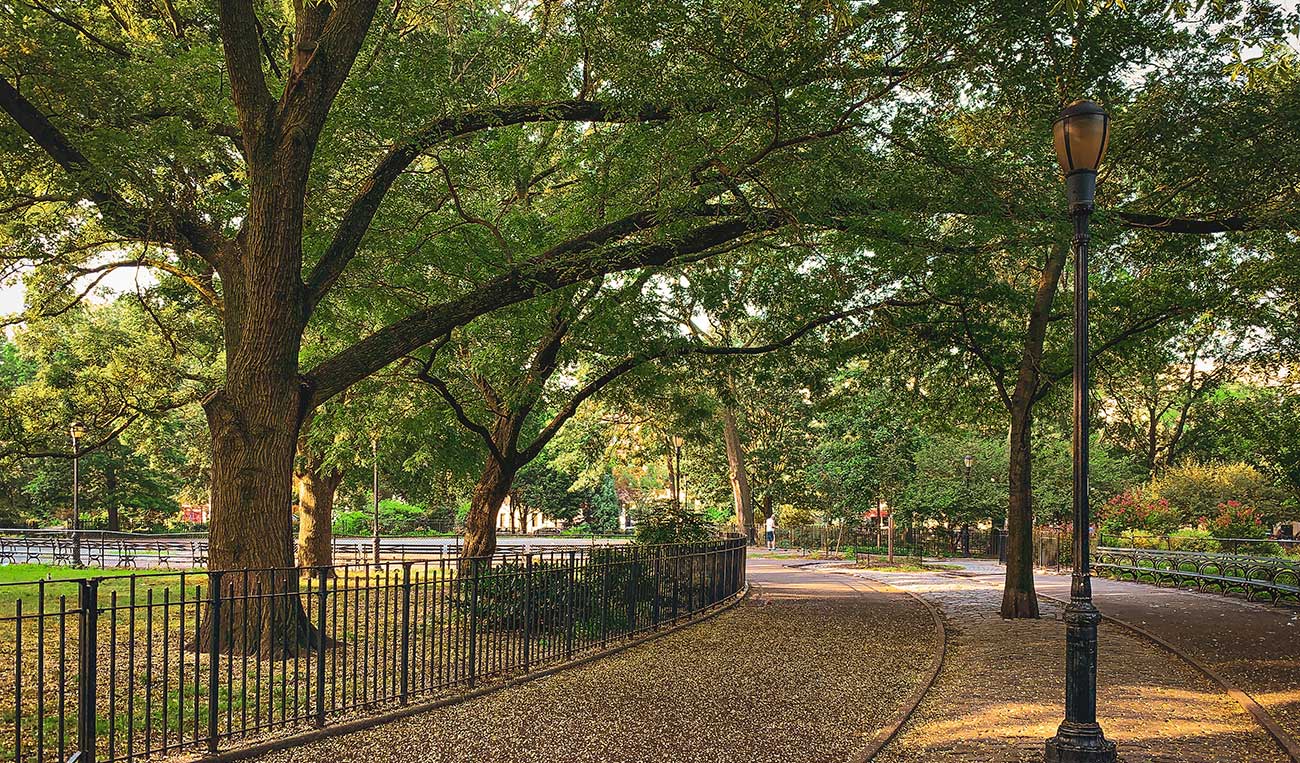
{"x": 33, "y": 574}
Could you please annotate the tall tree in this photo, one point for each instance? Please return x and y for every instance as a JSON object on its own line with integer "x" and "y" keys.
{"x": 239, "y": 179}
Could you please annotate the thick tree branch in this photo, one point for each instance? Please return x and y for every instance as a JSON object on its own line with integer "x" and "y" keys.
{"x": 173, "y": 227}
{"x": 1201, "y": 226}
{"x": 538, "y": 276}
{"x": 330, "y": 38}
{"x": 356, "y": 220}
{"x": 253, "y": 101}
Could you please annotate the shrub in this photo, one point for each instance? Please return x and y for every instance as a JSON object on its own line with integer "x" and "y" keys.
{"x": 669, "y": 522}
{"x": 1138, "y": 510}
{"x": 1197, "y": 490}
{"x": 1145, "y": 539}
{"x": 1234, "y": 519}
{"x": 789, "y": 516}
{"x": 1192, "y": 539}
{"x": 395, "y": 518}
{"x": 610, "y": 592}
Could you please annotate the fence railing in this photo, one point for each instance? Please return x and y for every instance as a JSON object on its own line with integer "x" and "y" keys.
{"x": 126, "y": 667}
{"x": 1254, "y": 576}
{"x": 933, "y": 542}
{"x": 106, "y": 549}
{"x": 1280, "y": 547}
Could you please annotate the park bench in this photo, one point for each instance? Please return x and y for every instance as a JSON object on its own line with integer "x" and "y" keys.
{"x": 1256, "y": 577}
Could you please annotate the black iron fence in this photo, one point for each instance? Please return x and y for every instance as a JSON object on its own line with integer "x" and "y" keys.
{"x": 1254, "y": 576}
{"x": 125, "y": 667}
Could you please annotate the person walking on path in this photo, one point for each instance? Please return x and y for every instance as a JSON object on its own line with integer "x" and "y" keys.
{"x": 771, "y": 532}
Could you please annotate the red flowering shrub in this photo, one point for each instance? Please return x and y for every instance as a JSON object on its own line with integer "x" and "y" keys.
{"x": 1236, "y": 520}
{"x": 1137, "y": 510}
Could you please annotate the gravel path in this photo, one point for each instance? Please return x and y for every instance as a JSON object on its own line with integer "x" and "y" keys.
{"x": 1253, "y": 644}
{"x": 1000, "y": 692}
{"x": 805, "y": 670}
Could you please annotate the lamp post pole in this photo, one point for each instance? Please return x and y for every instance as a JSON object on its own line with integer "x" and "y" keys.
{"x": 676, "y": 441}
{"x": 681, "y": 484}
{"x": 374, "y": 464}
{"x": 968, "y": 461}
{"x": 1081, "y": 136}
{"x": 76, "y": 431}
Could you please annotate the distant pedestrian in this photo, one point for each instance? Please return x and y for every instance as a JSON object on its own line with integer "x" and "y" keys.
{"x": 771, "y": 532}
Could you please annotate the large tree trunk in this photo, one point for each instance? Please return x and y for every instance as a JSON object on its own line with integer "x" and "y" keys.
{"x": 317, "y": 486}
{"x": 255, "y": 420}
{"x": 739, "y": 477}
{"x": 1018, "y": 596}
{"x": 251, "y": 544}
{"x": 493, "y": 486}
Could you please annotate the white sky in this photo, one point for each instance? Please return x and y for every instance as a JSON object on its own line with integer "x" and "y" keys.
{"x": 120, "y": 280}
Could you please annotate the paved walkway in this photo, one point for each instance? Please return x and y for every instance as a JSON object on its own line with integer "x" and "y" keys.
{"x": 1001, "y": 690}
{"x": 805, "y": 670}
{"x": 1252, "y": 644}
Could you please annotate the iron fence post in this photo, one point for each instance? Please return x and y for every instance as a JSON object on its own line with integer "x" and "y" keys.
{"x": 406, "y": 632}
{"x": 214, "y": 654}
{"x": 632, "y": 593}
{"x": 568, "y": 606}
{"x": 473, "y": 621}
{"x": 322, "y": 575}
{"x": 87, "y": 656}
{"x": 654, "y": 603}
{"x": 528, "y": 611}
{"x": 604, "y": 604}
{"x": 677, "y": 574}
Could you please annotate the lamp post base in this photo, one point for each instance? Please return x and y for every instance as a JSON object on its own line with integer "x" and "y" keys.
{"x": 1079, "y": 743}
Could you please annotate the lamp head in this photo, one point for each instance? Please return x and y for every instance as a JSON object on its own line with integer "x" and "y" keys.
{"x": 968, "y": 460}
{"x": 77, "y": 430}
{"x": 1081, "y": 134}
{"x": 678, "y": 441}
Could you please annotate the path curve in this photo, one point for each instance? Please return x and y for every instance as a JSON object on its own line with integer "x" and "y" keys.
{"x": 807, "y": 669}
{"x": 1251, "y": 649}
{"x": 1000, "y": 696}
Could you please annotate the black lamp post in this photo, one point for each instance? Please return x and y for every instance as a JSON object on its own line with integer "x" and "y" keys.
{"x": 968, "y": 461}
{"x": 677, "y": 469}
{"x": 1081, "y": 133}
{"x": 77, "y": 431}
{"x": 374, "y": 474}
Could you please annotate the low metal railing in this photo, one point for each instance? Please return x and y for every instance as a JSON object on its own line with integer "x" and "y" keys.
{"x": 127, "y": 667}
{"x": 1278, "y": 547}
{"x": 102, "y": 548}
{"x": 1255, "y": 576}
{"x": 106, "y": 549}
{"x": 933, "y": 542}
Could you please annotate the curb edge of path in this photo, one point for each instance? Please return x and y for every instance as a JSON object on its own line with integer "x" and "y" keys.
{"x": 1247, "y": 702}
{"x": 1256, "y": 711}
{"x": 886, "y": 733}
{"x": 361, "y": 724}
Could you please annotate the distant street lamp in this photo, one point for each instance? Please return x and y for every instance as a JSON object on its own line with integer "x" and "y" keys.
{"x": 968, "y": 461}
{"x": 374, "y": 461}
{"x": 677, "y": 469}
{"x": 1081, "y": 133}
{"x": 77, "y": 431}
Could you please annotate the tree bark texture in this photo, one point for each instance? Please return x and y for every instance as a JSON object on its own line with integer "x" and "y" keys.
{"x": 493, "y": 485}
{"x": 737, "y": 474}
{"x": 317, "y": 486}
